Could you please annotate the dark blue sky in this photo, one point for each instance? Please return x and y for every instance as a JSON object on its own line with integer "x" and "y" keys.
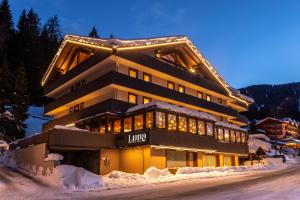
{"x": 248, "y": 42}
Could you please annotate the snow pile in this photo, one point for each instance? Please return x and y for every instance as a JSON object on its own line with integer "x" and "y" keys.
{"x": 4, "y": 145}
{"x": 153, "y": 172}
{"x": 75, "y": 178}
{"x": 174, "y": 108}
{"x": 8, "y": 158}
{"x": 254, "y": 144}
{"x": 274, "y": 162}
{"x": 61, "y": 127}
{"x": 54, "y": 157}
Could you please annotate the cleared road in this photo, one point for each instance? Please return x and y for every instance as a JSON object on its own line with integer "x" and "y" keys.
{"x": 280, "y": 184}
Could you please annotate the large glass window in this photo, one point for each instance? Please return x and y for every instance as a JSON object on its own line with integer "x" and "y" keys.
{"x": 172, "y": 125}
{"x": 238, "y": 136}
{"x": 243, "y": 137}
{"x": 220, "y": 134}
{"x": 192, "y": 126}
{"x": 226, "y": 135}
{"x": 209, "y": 129}
{"x": 133, "y": 73}
{"x": 160, "y": 119}
{"x": 132, "y": 98}
{"x": 149, "y": 119}
{"x": 128, "y": 124}
{"x": 201, "y": 127}
{"x": 102, "y": 124}
{"x": 232, "y": 136}
{"x": 182, "y": 124}
{"x": 138, "y": 122}
{"x": 117, "y": 125}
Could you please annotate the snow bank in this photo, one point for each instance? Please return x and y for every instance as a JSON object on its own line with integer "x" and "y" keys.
{"x": 54, "y": 157}
{"x": 68, "y": 128}
{"x": 8, "y": 158}
{"x": 75, "y": 178}
{"x": 153, "y": 172}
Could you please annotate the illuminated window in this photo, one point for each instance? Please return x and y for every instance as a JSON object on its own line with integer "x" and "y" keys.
{"x": 160, "y": 120}
{"x": 146, "y": 77}
{"x": 102, "y": 124}
{"x": 110, "y": 125}
{"x": 133, "y": 73}
{"x": 171, "y": 85}
{"x": 220, "y": 101}
{"x": 208, "y": 97}
{"x": 201, "y": 127}
{"x": 238, "y": 136}
{"x": 232, "y": 136}
{"x": 243, "y": 137}
{"x": 138, "y": 122}
{"x": 220, "y": 134}
{"x": 182, "y": 124}
{"x": 82, "y": 105}
{"x": 209, "y": 129}
{"x": 200, "y": 95}
{"x": 117, "y": 125}
{"x": 132, "y": 98}
{"x": 226, "y": 135}
{"x": 149, "y": 119}
{"x": 146, "y": 100}
{"x": 181, "y": 89}
{"x": 172, "y": 124}
{"x": 128, "y": 124}
{"x": 192, "y": 126}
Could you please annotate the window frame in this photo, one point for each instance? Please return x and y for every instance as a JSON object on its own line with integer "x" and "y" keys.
{"x": 201, "y": 93}
{"x": 183, "y": 87}
{"x": 208, "y": 96}
{"x": 149, "y": 75}
{"x": 134, "y": 70}
{"x": 172, "y": 83}
{"x": 136, "y": 98}
{"x": 146, "y": 98}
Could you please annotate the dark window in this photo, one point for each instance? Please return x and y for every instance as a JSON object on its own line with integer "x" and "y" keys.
{"x": 71, "y": 109}
{"x": 82, "y": 105}
{"x": 220, "y": 101}
{"x": 76, "y": 108}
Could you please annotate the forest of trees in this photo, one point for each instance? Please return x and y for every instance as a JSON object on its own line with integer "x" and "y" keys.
{"x": 26, "y": 49}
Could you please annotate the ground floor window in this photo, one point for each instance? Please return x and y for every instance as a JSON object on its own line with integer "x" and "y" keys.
{"x": 226, "y": 135}
{"x": 128, "y": 124}
{"x": 201, "y": 127}
{"x": 160, "y": 119}
{"x": 228, "y": 161}
{"x": 182, "y": 124}
{"x": 232, "y": 136}
{"x": 176, "y": 159}
{"x": 238, "y": 136}
{"x": 209, "y": 161}
{"x": 138, "y": 122}
{"x": 209, "y": 129}
{"x": 220, "y": 134}
{"x": 149, "y": 120}
{"x": 192, "y": 126}
{"x": 172, "y": 125}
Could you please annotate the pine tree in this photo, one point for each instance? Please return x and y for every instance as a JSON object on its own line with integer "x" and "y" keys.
{"x": 94, "y": 33}
{"x": 5, "y": 86}
{"x": 6, "y": 28}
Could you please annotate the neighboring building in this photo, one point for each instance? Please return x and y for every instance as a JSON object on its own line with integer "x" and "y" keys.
{"x": 279, "y": 129}
{"x": 148, "y": 102}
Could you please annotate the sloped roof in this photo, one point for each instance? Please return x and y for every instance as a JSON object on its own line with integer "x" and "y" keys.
{"x": 114, "y": 44}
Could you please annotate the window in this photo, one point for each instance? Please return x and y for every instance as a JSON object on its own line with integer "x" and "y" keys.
{"x": 147, "y": 77}
{"x": 146, "y": 100}
{"x": 82, "y": 105}
{"x": 232, "y": 136}
{"x": 160, "y": 120}
{"x": 128, "y": 124}
{"x": 149, "y": 119}
{"x": 82, "y": 82}
{"x": 220, "y": 101}
{"x": 77, "y": 85}
{"x": 192, "y": 126}
{"x": 209, "y": 129}
{"x": 182, "y": 124}
{"x": 132, "y": 98}
{"x": 138, "y": 122}
{"x": 76, "y": 108}
{"x": 133, "y": 73}
{"x": 102, "y": 124}
{"x": 171, "y": 85}
{"x": 181, "y": 88}
{"x": 200, "y": 95}
{"x": 117, "y": 125}
{"x": 238, "y": 136}
{"x": 201, "y": 127}
{"x": 226, "y": 135}
{"x": 71, "y": 109}
{"x": 208, "y": 97}
{"x": 172, "y": 124}
{"x": 220, "y": 134}
{"x": 243, "y": 137}
{"x": 72, "y": 88}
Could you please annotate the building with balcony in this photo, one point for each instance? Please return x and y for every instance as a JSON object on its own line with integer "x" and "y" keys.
{"x": 132, "y": 104}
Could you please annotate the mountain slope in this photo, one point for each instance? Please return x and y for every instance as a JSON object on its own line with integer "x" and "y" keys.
{"x": 274, "y": 100}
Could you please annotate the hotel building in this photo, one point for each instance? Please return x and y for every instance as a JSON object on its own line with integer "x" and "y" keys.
{"x": 132, "y": 104}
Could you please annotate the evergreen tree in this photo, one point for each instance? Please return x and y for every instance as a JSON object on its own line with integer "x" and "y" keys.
{"x": 5, "y": 86}
{"x": 6, "y": 28}
{"x": 94, "y": 33}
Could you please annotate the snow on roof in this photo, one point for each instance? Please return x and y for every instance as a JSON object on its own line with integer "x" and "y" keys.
{"x": 68, "y": 128}
{"x": 174, "y": 108}
{"x": 254, "y": 144}
{"x": 283, "y": 120}
{"x": 259, "y": 136}
{"x": 233, "y": 126}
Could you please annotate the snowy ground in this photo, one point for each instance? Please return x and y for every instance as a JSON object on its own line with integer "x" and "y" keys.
{"x": 260, "y": 183}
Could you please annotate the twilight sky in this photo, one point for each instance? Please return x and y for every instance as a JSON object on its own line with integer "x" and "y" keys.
{"x": 248, "y": 42}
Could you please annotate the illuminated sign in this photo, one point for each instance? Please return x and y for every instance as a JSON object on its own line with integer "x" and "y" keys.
{"x": 137, "y": 138}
